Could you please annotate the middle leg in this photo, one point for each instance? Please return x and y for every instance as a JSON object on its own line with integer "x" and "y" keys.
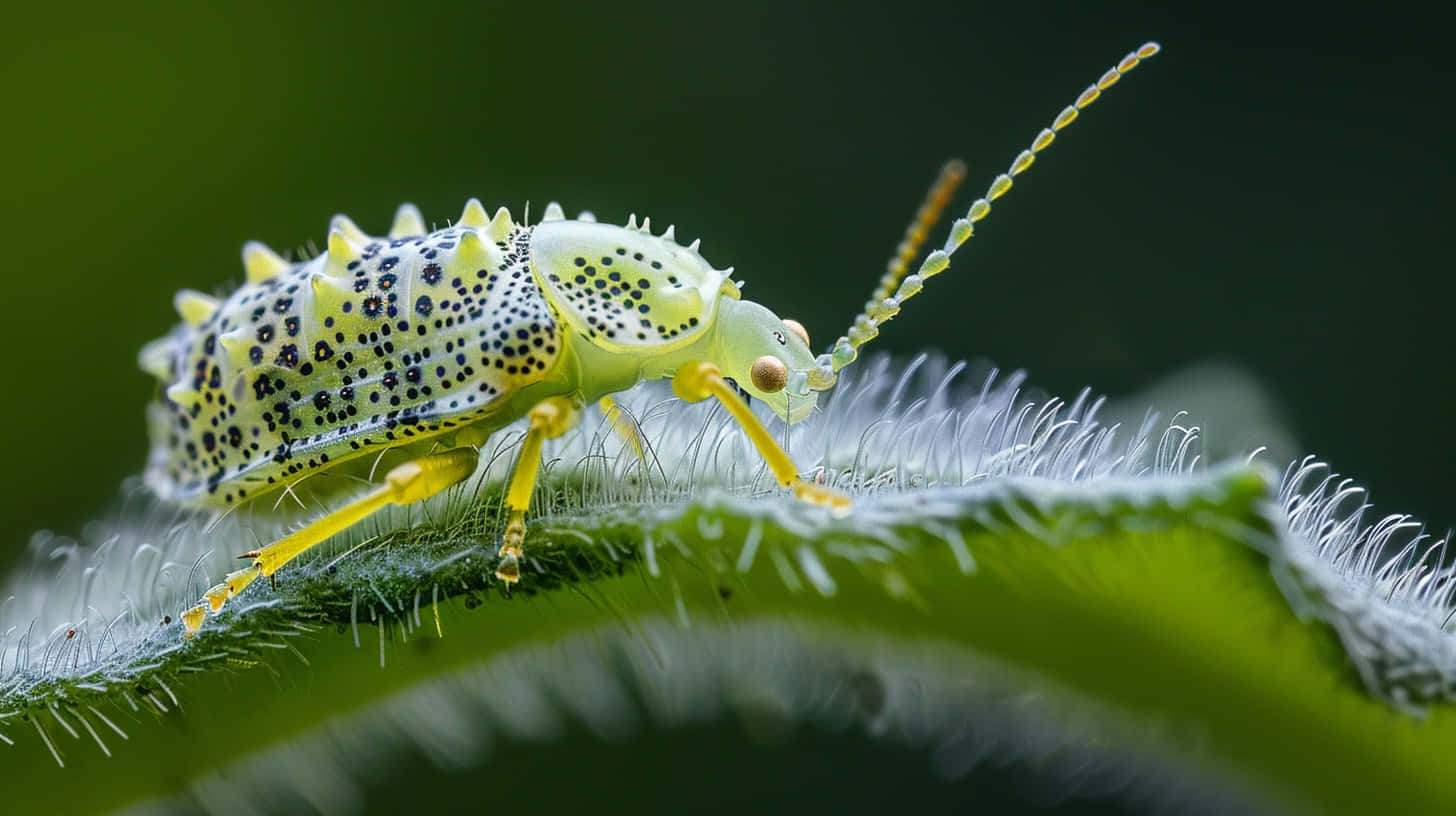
{"x": 550, "y": 418}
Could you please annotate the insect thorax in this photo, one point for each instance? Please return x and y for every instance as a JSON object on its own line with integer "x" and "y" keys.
{"x": 625, "y": 289}
{"x": 376, "y": 343}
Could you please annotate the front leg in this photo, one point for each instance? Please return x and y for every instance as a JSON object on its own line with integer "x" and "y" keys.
{"x": 698, "y": 381}
{"x": 550, "y": 418}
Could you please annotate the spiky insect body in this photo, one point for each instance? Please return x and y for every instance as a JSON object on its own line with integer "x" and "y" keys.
{"x": 428, "y": 342}
{"x": 385, "y": 342}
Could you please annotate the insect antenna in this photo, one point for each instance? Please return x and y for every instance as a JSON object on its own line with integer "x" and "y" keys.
{"x": 884, "y": 305}
{"x": 952, "y": 173}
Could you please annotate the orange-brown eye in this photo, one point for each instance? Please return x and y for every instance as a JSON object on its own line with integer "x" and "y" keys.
{"x": 769, "y": 374}
{"x": 798, "y": 328}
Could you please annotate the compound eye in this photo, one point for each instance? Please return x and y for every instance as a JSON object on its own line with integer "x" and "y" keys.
{"x": 798, "y": 328}
{"x": 769, "y": 374}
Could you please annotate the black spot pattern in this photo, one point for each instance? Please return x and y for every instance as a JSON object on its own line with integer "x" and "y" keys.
{"x": 634, "y": 290}
{"x": 325, "y": 362}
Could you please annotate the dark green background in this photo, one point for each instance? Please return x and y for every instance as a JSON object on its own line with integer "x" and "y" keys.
{"x": 1272, "y": 191}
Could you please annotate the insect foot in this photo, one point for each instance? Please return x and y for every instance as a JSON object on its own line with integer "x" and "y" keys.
{"x": 235, "y": 582}
{"x": 192, "y": 620}
{"x": 509, "y": 568}
{"x": 219, "y": 594}
{"x": 838, "y": 503}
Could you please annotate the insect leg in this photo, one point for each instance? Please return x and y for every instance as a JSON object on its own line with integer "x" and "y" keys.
{"x": 550, "y": 418}
{"x": 625, "y": 426}
{"x": 698, "y": 381}
{"x": 408, "y": 483}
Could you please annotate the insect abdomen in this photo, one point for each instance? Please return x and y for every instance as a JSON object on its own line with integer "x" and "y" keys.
{"x": 374, "y": 343}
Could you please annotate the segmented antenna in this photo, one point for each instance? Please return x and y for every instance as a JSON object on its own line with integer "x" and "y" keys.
{"x": 883, "y": 305}
{"x": 936, "y": 199}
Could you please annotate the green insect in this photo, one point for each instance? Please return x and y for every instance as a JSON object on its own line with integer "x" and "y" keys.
{"x": 427, "y": 342}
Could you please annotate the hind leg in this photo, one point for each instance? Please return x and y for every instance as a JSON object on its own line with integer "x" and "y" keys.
{"x": 410, "y": 482}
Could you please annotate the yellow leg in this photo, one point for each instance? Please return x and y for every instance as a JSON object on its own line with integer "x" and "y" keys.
{"x": 410, "y": 482}
{"x": 550, "y": 418}
{"x": 625, "y": 428}
{"x": 698, "y": 381}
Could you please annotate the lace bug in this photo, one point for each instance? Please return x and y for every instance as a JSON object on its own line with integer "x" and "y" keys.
{"x": 421, "y": 337}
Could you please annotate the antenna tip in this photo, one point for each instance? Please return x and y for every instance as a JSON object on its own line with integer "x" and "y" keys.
{"x": 1148, "y": 49}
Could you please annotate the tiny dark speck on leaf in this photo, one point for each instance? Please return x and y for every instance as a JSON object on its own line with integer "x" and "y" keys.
{"x": 868, "y": 691}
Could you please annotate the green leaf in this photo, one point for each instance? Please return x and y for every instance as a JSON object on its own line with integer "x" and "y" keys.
{"x": 1011, "y": 583}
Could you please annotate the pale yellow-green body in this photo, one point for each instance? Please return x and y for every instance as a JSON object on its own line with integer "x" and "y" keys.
{"x": 542, "y": 320}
